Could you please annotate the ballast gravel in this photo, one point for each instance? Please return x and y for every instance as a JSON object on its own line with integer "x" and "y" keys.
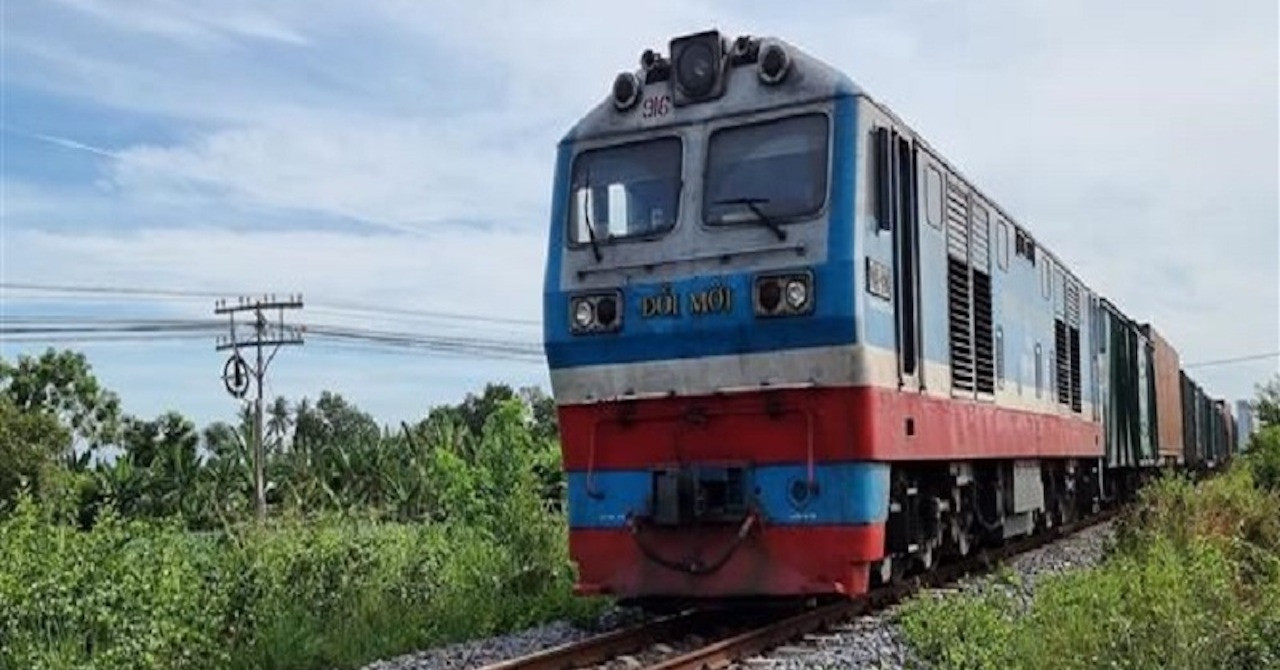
{"x": 875, "y": 641}
{"x": 872, "y": 641}
{"x": 478, "y": 653}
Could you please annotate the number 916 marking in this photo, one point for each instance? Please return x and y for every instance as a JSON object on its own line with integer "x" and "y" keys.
{"x": 656, "y": 106}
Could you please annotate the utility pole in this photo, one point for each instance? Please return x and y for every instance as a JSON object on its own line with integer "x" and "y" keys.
{"x": 262, "y": 332}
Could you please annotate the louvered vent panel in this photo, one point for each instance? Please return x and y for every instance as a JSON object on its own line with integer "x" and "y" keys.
{"x": 980, "y": 245}
{"x": 957, "y": 223}
{"x": 1073, "y": 342}
{"x": 1062, "y": 369}
{"x": 1072, "y": 306}
{"x": 983, "y": 337}
{"x": 958, "y": 305}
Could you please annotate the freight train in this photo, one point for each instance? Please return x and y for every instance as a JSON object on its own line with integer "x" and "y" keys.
{"x": 795, "y": 351}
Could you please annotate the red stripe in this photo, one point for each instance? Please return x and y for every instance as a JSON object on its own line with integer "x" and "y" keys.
{"x": 852, "y": 423}
{"x": 777, "y": 560}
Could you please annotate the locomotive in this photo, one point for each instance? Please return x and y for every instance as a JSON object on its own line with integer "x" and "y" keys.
{"x": 794, "y": 351}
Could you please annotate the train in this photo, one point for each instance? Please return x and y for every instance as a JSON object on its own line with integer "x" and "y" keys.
{"x": 795, "y": 352}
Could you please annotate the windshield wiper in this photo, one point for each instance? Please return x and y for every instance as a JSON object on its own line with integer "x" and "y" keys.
{"x": 591, "y": 229}
{"x": 753, "y": 204}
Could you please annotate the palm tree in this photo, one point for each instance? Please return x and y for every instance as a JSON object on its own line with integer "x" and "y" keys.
{"x": 279, "y": 421}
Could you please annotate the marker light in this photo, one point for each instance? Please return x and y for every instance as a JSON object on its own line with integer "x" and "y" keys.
{"x": 607, "y": 311}
{"x": 626, "y": 91}
{"x": 774, "y": 63}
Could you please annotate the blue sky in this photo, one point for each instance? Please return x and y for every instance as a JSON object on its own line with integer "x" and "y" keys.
{"x": 400, "y": 153}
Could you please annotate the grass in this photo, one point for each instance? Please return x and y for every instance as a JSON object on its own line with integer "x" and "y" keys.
{"x": 325, "y": 593}
{"x": 1192, "y": 581}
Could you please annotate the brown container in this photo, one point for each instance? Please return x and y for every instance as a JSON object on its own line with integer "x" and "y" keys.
{"x": 1168, "y": 396}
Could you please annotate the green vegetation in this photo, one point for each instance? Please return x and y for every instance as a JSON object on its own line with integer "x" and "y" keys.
{"x": 131, "y": 543}
{"x": 1192, "y": 581}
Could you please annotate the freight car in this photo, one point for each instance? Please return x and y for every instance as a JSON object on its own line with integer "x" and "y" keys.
{"x": 793, "y": 349}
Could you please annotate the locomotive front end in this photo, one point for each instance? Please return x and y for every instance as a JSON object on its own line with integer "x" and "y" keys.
{"x": 699, "y": 318}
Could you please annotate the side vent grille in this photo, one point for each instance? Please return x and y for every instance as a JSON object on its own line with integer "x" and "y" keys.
{"x": 1062, "y": 369}
{"x": 1072, "y": 311}
{"x": 957, "y": 222}
{"x": 959, "y": 290}
{"x": 983, "y": 337}
{"x": 1073, "y": 338}
{"x": 983, "y": 328}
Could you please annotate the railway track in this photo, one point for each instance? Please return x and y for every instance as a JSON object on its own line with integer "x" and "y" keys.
{"x": 735, "y": 635}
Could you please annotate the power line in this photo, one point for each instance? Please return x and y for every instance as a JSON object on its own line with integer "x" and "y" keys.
{"x": 186, "y": 294}
{"x": 1238, "y": 359}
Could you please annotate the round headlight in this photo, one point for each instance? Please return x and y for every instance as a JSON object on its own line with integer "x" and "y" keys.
{"x": 770, "y": 295}
{"x": 696, "y": 69}
{"x": 626, "y": 91}
{"x": 774, "y": 63}
{"x": 583, "y": 314}
{"x": 607, "y": 310}
{"x": 797, "y": 294}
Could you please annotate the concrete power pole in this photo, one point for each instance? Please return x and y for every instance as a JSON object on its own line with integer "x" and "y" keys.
{"x": 260, "y": 333}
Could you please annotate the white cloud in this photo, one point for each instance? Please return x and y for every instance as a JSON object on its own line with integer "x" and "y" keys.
{"x": 184, "y": 21}
{"x": 400, "y": 173}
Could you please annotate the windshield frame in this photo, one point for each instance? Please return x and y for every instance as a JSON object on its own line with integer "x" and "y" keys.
{"x": 607, "y": 241}
{"x": 777, "y": 115}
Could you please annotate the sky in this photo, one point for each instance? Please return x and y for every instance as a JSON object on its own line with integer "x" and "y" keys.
{"x": 398, "y": 154}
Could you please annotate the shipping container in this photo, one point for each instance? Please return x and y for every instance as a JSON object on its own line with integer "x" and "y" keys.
{"x": 1244, "y": 424}
{"x": 1127, "y": 391}
{"x": 1168, "y": 391}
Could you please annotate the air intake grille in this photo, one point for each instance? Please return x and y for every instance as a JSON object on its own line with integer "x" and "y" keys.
{"x": 983, "y": 337}
{"x": 1072, "y": 306}
{"x": 957, "y": 222}
{"x": 959, "y": 289}
{"x": 1062, "y": 369}
{"x": 962, "y": 374}
{"x": 969, "y": 308}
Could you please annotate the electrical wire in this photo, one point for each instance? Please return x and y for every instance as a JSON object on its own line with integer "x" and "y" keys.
{"x": 187, "y": 294}
{"x": 1238, "y": 359}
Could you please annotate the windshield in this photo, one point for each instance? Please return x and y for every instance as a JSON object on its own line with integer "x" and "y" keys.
{"x": 625, "y": 191}
{"x": 779, "y": 166}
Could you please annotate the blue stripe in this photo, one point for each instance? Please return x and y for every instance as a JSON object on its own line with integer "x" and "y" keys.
{"x": 737, "y": 331}
{"x": 847, "y": 493}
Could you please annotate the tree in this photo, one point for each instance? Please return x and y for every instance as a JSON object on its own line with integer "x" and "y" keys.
{"x": 31, "y": 443}
{"x": 62, "y": 384}
{"x": 1267, "y": 405}
{"x": 278, "y": 422}
{"x": 157, "y": 473}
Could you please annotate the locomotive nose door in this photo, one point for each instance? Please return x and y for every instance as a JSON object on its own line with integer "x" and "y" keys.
{"x": 899, "y": 203}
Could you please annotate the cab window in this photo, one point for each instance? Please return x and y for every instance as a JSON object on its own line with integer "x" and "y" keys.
{"x": 626, "y": 191}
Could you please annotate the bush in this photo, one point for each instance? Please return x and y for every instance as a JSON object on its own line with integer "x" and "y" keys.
{"x": 294, "y": 593}
{"x": 1193, "y": 581}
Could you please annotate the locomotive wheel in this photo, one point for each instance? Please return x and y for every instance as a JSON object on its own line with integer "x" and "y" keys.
{"x": 888, "y": 570}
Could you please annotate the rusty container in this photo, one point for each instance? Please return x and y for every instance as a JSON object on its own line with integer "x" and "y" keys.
{"x": 1169, "y": 428}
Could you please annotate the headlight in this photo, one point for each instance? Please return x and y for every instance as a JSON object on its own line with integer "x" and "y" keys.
{"x": 797, "y": 293}
{"x": 584, "y": 314}
{"x": 595, "y": 313}
{"x": 697, "y": 61}
{"x": 789, "y": 294}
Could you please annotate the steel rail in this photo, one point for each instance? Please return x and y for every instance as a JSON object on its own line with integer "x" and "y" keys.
{"x": 722, "y": 652}
{"x": 729, "y": 650}
{"x": 601, "y": 648}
